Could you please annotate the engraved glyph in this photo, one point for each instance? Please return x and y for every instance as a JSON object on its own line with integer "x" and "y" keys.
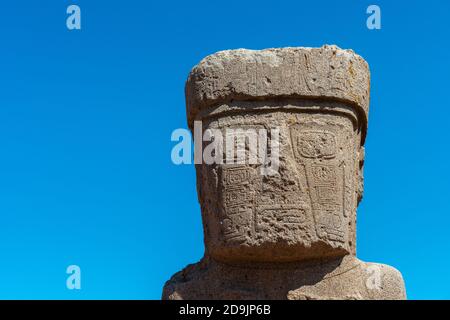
{"x": 316, "y": 144}
{"x": 316, "y": 150}
{"x": 237, "y": 217}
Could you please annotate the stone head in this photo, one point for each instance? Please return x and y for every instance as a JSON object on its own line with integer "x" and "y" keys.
{"x": 311, "y": 106}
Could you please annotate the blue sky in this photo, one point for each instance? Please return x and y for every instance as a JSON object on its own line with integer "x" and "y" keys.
{"x": 86, "y": 116}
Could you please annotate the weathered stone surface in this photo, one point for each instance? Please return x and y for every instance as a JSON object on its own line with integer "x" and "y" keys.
{"x": 345, "y": 278}
{"x": 291, "y": 235}
{"x": 326, "y": 73}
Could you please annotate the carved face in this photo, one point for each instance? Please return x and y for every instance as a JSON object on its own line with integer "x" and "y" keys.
{"x": 307, "y": 209}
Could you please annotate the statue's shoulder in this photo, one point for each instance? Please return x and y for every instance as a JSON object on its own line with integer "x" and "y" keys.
{"x": 383, "y": 281}
{"x": 184, "y": 284}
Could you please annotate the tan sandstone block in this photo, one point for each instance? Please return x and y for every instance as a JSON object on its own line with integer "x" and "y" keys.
{"x": 291, "y": 234}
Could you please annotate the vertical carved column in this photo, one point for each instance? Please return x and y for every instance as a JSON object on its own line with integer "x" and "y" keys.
{"x": 290, "y": 234}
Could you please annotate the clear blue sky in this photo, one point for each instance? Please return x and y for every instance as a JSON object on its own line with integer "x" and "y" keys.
{"x": 86, "y": 116}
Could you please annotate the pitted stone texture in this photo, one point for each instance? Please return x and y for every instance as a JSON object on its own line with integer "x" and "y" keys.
{"x": 291, "y": 235}
{"x": 308, "y": 209}
{"x": 345, "y": 278}
{"x": 326, "y": 73}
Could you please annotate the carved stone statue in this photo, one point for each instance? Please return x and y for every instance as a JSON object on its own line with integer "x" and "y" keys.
{"x": 290, "y": 234}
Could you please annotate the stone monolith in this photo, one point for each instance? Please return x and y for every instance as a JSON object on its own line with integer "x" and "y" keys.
{"x": 290, "y": 234}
